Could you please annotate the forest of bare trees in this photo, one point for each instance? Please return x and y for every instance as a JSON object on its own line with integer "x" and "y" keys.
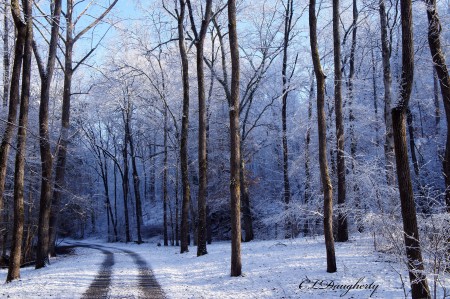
{"x": 204, "y": 121}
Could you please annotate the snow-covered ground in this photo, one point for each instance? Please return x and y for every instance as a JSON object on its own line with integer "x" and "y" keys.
{"x": 271, "y": 269}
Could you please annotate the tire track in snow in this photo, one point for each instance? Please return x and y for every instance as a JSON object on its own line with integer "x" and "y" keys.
{"x": 99, "y": 288}
{"x": 148, "y": 285}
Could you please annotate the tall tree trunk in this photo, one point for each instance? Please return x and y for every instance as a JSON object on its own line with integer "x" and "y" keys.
{"x": 342, "y": 230}
{"x": 64, "y": 134}
{"x": 177, "y": 203}
{"x": 434, "y": 28}
{"x": 307, "y": 155}
{"x": 437, "y": 109}
{"x": 235, "y": 153}
{"x": 419, "y": 284}
{"x": 165, "y": 194}
{"x": 16, "y": 248}
{"x": 285, "y": 92}
{"x": 184, "y": 132}
{"x": 6, "y": 55}
{"x": 375, "y": 94}
{"x": 387, "y": 80}
{"x": 12, "y": 112}
{"x": 136, "y": 183}
{"x": 63, "y": 141}
{"x": 44, "y": 137}
{"x": 247, "y": 219}
{"x": 202, "y": 148}
{"x": 125, "y": 185}
{"x": 322, "y": 126}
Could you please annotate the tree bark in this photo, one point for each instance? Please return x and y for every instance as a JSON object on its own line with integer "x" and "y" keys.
{"x": 321, "y": 118}
{"x": 12, "y": 111}
{"x": 235, "y": 153}
{"x": 125, "y": 180}
{"x": 136, "y": 182}
{"x": 165, "y": 195}
{"x": 16, "y": 248}
{"x": 6, "y": 56}
{"x": 285, "y": 93}
{"x": 342, "y": 234}
{"x": 434, "y": 41}
{"x": 44, "y": 141}
{"x": 419, "y": 284}
{"x": 387, "y": 80}
{"x": 202, "y": 148}
{"x": 184, "y": 234}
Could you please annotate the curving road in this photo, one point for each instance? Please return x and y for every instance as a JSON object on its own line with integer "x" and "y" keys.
{"x": 102, "y": 285}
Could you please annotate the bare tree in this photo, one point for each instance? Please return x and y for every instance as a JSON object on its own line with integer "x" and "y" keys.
{"x": 288, "y": 27}
{"x": 322, "y": 126}
{"x": 46, "y": 74}
{"x": 199, "y": 40}
{"x": 434, "y": 41}
{"x": 69, "y": 68}
{"x": 6, "y": 55}
{"x": 19, "y": 174}
{"x": 184, "y": 160}
{"x": 235, "y": 153}
{"x": 12, "y": 110}
{"x": 386, "y": 49}
{"x": 342, "y": 234}
{"x": 419, "y": 284}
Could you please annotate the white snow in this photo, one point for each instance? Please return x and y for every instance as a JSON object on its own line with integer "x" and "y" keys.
{"x": 271, "y": 269}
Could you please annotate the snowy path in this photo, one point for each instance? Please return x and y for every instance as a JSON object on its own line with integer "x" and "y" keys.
{"x": 102, "y": 285}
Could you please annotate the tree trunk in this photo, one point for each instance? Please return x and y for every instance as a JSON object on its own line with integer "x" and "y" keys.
{"x": 321, "y": 118}
{"x": 165, "y": 195}
{"x": 136, "y": 184}
{"x": 125, "y": 185}
{"x": 434, "y": 28}
{"x": 64, "y": 134}
{"x": 6, "y": 55}
{"x": 247, "y": 218}
{"x": 12, "y": 111}
{"x": 235, "y": 154}
{"x": 387, "y": 80}
{"x": 16, "y": 248}
{"x": 44, "y": 138}
{"x": 307, "y": 155}
{"x": 437, "y": 109}
{"x": 342, "y": 234}
{"x": 184, "y": 132}
{"x": 285, "y": 92}
{"x": 419, "y": 284}
{"x": 202, "y": 148}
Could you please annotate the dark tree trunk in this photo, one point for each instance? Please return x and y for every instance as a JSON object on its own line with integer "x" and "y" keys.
{"x": 12, "y": 111}
{"x": 125, "y": 184}
{"x": 16, "y": 248}
{"x": 321, "y": 118}
{"x": 285, "y": 93}
{"x": 44, "y": 138}
{"x": 434, "y": 28}
{"x": 386, "y": 47}
{"x": 247, "y": 218}
{"x": 64, "y": 134}
{"x": 136, "y": 184}
{"x": 342, "y": 230}
{"x": 437, "y": 109}
{"x": 6, "y": 55}
{"x": 184, "y": 133}
{"x": 165, "y": 195}
{"x": 235, "y": 154}
{"x": 307, "y": 155}
{"x": 419, "y": 284}
{"x": 202, "y": 148}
